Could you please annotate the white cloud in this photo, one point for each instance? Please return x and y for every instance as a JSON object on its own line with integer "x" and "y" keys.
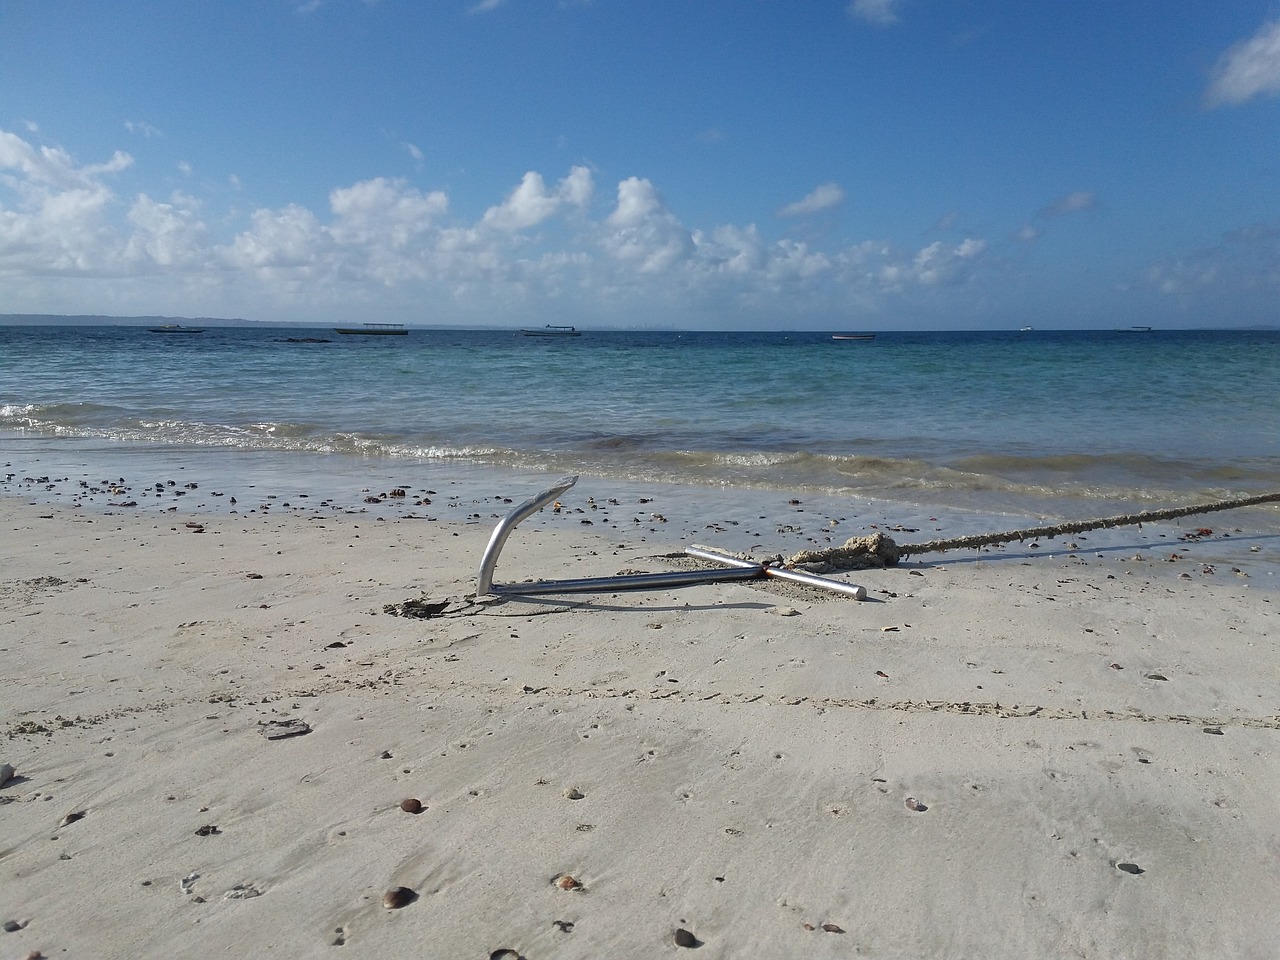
{"x": 166, "y": 234}
{"x": 531, "y": 203}
{"x": 484, "y": 6}
{"x": 643, "y": 232}
{"x": 383, "y": 211}
{"x": 1249, "y": 69}
{"x": 823, "y": 197}
{"x": 736, "y": 251}
{"x": 387, "y": 245}
{"x": 939, "y": 263}
{"x": 52, "y": 166}
{"x": 577, "y": 188}
{"x": 145, "y": 129}
{"x": 291, "y": 238}
{"x": 881, "y": 13}
{"x": 1027, "y": 234}
{"x": 1071, "y": 203}
{"x": 414, "y": 152}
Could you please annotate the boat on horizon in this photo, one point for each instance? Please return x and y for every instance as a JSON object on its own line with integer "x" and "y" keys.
{"x": 175, "y": 328}
{"x": 853, "y": 336}
{"x": 550, "y": 330}
{"x": 375, "y": 330}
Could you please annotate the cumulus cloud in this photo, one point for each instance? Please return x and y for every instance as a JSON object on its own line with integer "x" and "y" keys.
{"x": 166, "y": 234}
{"x": 53, "y": 166}
{"x": 1249, "y": 69}
{"x": 881, "y": 13}
{"x": 823, "y": 197}
{"x": 642, "y": 231}
{"x": 382, "y": 210}
{"x": 531, "y": 203}
{"x": 384, "y": 241}
{"x": 940, "y": 263}
{"x": 1071, "y": 203}
{"x": 291, "y": 238}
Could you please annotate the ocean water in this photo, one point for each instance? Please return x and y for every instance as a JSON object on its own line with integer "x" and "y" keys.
{"x": 1148, "y": 418}
{"x": 980, "y": 426}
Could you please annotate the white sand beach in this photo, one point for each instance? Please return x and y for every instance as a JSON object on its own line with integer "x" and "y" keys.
{"x": 1045, "y": 756}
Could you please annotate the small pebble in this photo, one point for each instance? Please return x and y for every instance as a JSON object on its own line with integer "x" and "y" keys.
{"x": 72, "y": 818}
{"x": 411, "y": 805}
{"x": 915, "y": 805}
{"x": 833, "y": 928}
{"x": 567, "y": 882}
{"x": 573, "y": 793}
{"x": 504, "y": 953}
{"x": 1132, "y": 868}
{"x": 12, "y": 926}
{"x": 7, "y": 773}
{"x": 686, "y": 939}
{"x": 398, "y": 897}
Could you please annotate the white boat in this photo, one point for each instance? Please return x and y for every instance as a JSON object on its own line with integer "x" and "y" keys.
{"x": 550, "y": 330}
{"x": 853, "y": 336}
{"x": 375, "y": 330}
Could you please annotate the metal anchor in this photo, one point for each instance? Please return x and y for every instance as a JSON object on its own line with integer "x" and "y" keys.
{"x": 734, "y": 568}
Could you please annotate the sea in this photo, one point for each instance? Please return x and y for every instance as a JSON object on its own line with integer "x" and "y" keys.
{"x": 941, "y": 432}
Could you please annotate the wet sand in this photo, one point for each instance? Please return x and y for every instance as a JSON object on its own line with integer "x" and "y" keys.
{"x": 1008, "y": 754}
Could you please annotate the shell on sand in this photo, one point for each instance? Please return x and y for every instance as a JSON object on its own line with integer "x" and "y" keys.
{"x": 398, "y": 897}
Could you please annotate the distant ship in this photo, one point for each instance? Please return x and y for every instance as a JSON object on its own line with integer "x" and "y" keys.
{"x": 550, "y": 331}
{"x": 853, "y": 336}
{"x": 175, "y": 328}
{"x": 375, "y": 330}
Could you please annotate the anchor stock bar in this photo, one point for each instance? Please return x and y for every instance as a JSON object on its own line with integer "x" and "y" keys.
{"x": 734, "y": 568}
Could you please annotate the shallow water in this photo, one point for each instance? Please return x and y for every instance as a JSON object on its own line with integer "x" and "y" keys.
{"x": 1048, "y": 423}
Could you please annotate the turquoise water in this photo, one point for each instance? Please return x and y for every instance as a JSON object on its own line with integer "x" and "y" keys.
{"x": 1038, "y": 420}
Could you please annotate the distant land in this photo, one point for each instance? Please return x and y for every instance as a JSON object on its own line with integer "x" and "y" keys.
{"x": 94, "y": 320}
{"x": 101, "y": 320}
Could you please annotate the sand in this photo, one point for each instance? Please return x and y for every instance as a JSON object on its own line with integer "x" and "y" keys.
{"x": 1014, "y": 756}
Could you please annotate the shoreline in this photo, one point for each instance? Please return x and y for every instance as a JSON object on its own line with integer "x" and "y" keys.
{"x": 1003, "y": 754}
{"x": 119, "y": 479}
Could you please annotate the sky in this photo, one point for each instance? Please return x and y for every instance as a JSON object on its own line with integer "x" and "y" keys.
{"x": 718, "y": 164}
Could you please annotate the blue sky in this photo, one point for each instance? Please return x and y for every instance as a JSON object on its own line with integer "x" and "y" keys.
{"x": 784, "y": 164}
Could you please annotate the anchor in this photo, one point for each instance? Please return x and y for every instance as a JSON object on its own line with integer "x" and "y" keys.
{"x": 733, "y": 568}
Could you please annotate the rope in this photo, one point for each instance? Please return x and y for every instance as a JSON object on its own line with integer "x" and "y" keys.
{"x": 879, "y": 550}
